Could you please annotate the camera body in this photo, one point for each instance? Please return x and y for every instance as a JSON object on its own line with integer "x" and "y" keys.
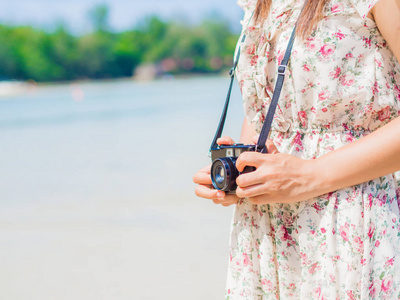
{"x": 223, "y": 168}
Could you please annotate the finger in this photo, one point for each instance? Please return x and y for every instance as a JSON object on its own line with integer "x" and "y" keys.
{"x": 251, "y": 191}
{"x": 253, "y": 159}
{"x": 201, "y": 174}
{"x": 227, "y": 200}
{"x": 249, "y": 179}
{"x": 206, "y": 169}
{"x": 205, "y": 191}
{"x": 225, "y": 140}
{"x": 202, "y": 178}
{"x": 271, "y": 147}
{"x": 231, "y": 202}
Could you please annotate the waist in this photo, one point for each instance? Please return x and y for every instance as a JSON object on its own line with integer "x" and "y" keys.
{"x": 311, "y": 143}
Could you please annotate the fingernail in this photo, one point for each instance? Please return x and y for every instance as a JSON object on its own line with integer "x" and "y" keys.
{"x": 220, "y": 194}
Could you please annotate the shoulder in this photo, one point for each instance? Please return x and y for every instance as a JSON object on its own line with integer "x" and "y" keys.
{"x": 363, "y": 7}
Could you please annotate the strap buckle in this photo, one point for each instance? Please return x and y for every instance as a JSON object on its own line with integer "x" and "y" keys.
{"x": 232, "y": 72}
{"x": 282, "y": 70}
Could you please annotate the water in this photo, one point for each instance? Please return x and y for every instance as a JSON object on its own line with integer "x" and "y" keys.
{"x": 96, "y": 194}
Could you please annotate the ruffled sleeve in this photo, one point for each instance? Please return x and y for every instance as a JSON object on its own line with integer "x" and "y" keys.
{"x": 363, "y": 7}
{"x": 246, "y": 5}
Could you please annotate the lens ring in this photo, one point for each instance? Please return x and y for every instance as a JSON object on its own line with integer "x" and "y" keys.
{"x": 224, "y": 173}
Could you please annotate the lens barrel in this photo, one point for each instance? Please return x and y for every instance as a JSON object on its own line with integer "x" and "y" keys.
{"x": 224, "y": 173}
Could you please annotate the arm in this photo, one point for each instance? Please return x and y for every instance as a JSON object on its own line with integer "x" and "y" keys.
{"x": 284, "y": 178}
{"x": 248, "y": 133}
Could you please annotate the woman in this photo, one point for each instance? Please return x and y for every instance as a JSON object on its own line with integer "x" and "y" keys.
{"x": 319, "y": 218}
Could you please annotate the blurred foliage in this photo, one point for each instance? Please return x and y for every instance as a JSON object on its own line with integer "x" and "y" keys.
{"x": 170, "y": 47}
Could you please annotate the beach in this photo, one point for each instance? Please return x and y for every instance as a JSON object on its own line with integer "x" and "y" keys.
{"x": 96, "y": 190}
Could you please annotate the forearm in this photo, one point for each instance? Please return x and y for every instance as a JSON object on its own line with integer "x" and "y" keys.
{"x": 375, "y": 155}
{"x": 248, "y": 132}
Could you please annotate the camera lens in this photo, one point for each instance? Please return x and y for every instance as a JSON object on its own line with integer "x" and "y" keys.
{"x": 224, "y": 173}
{"x": 220, "y": 175}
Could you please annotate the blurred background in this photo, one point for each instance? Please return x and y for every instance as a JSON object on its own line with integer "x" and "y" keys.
{"x": 107, "y": 109}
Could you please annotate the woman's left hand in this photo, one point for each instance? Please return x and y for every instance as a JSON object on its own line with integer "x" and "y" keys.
{"x": 279, "y": 177}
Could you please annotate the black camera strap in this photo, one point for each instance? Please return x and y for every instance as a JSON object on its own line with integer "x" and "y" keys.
{"x": 221, "y": 125}
{"x": 274, "y": 102}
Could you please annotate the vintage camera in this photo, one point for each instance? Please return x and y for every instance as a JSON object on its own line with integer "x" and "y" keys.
{"x": 223, "y": 168}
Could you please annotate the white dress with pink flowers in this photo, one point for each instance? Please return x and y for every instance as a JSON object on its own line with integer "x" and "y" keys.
{"x": 342, "y": 84}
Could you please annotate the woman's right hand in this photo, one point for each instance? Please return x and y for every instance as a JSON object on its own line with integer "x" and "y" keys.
{"x": 205, "y": 188}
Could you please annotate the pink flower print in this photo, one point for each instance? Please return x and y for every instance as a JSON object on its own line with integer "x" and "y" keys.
{"x": 313, "y": 45}
{"x": 286, "y": 236}
{"x": 350, "y": 295}
{"x": 247, "y": 246}
{"x": 304, "y": 258}
{"x": 358, "y": 244}
{"x": 384, "y": 114}
{"x": 264, "y": 281}
{"x": 387, "y": 284}
{"x": 368, "y": 108}
{"x": 344, "y": 232}
{"x": 297, "y": 141}
{"x": 327, "y": 50}
{"x": 323, "y": 247}
{"x": 337, "y": 7}
{"x": 371, "y": 231}
{"x": 372, "y": 290}
{"x": 349, "y": 137}
{"x": 332, "y": 278}
{"x": 370, "y": 200}
{"x": 324, "y": 95}
{"x": 267, "y": 284}
{"x": 324, "y": 109}
{"x": 251, "y": 28}
{"x": 389, "y": 262}
{"x": 254, "y": 60}
{"x": 347, "y": 79}
{"x": 339, "y": 35}
{"x": 336, "y": 73}
{"x": 397, "y": 89}
{"x": 306, "y": 68}
{"x": 377, "y": 243}
{"x": 367, "y": 42}
{"x": 287, "y": 219}
{"x": 262, "y": 40}
{"x": 251, "y": 49}
{"x": 317, "y": 293}
{"x": 303, "y": 118}
{"x": 375, "y": 88}
{"x": 314, "y": 268}
{"x": 280, "y": 58}
{"x": 349, "y": 55}
{"x": 246, "y": 260}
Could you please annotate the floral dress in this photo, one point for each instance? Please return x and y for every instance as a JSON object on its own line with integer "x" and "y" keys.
{"x": 342, "y": 83}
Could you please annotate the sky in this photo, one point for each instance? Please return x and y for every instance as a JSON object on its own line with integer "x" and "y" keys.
{"x": 124, "y": 14}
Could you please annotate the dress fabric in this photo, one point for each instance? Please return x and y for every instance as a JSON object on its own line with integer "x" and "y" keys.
{"x": 342, "y": 83}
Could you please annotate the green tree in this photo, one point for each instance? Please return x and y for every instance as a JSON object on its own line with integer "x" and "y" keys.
{"x": 99, "y": 17}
